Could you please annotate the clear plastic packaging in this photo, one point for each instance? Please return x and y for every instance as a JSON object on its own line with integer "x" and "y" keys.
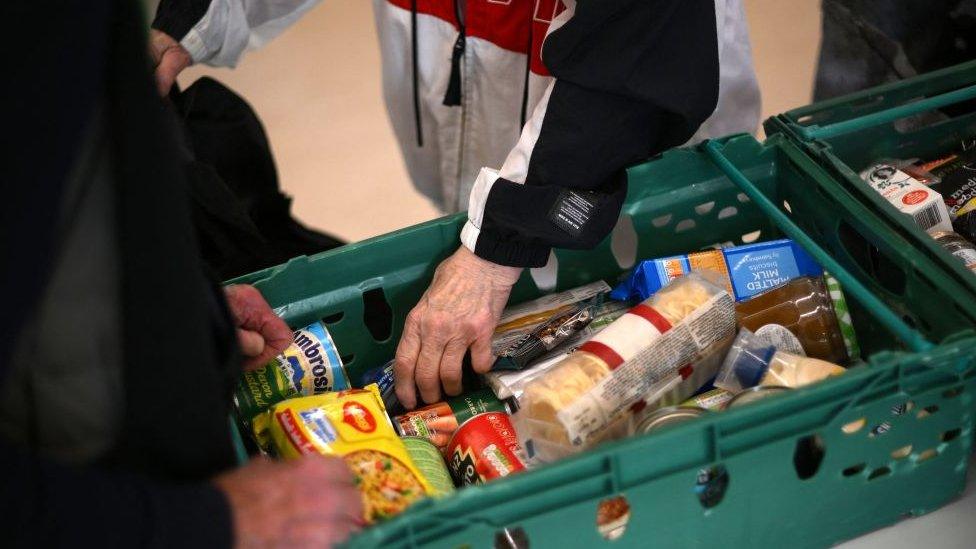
{"x": 752, "y": 363}
{"x": 583, "y": 400}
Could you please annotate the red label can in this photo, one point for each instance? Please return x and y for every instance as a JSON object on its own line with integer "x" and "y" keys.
{"x": 484, "y": 448}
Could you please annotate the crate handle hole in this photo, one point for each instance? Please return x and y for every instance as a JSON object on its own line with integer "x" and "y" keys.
{"x": 623, "y": 242}
{"x": 952, "y": 393}
{"x": 703, "y": 209}
{"x": 728, "y": 211}
{"x": 685, "y": 225}
{"x": 854, "y": 426}
{"x": 853, "y": 469}
{"x": 879, "y": 472}
{"x": 926, "y": 455}
{"x": 545, "y": 277}
{"x": 347, "y": 359}
{"x": 951, "y": 434}
{"x": 511, "y": 538}
{"x": 749, "y": 238}
{"x": 927, "y": 411}
{"x": 333, "y": 318}
{"x": 742, "y": 197}
{"x": 880, "y": 429}
{"x": 612, "y": 516}
{"x": 808, "y": 455}
{"x": 902, "y": 453}
{"x": 903, "y": 408}
{"x": 377, "y": 314}
{"x": 711, "y": 485}
{"x": 661, "y": 220}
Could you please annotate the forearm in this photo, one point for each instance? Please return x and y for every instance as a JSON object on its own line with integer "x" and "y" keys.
{"x": 217, "y": 32}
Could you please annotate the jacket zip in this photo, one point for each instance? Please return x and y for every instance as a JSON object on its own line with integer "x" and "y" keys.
{"x": 452, "y": 97}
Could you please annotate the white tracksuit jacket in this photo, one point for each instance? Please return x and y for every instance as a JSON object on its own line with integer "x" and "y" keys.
{"x": 526, "y": 112}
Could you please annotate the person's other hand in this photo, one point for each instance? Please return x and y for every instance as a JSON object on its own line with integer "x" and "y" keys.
{"x": 307, "y": 502}
{"x": 459, "y": 311}
{"x": 169, "y": 58}
{"x": 261, "y": 334}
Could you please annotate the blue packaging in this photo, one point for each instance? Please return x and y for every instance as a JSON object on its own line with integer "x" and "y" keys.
{"x": 750, "y": 269}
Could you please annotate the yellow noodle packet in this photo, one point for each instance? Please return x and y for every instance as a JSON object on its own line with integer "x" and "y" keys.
{"x": 352, "y": 425}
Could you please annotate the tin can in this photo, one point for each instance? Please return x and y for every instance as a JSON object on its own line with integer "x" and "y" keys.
{"x": 710, "y": 400}
{"x": 958, "y": 246}
{"x": 437, "y": 422}
{"x": 484, "y": 448}
{"x": 664, "y": 417}
{"x": 309, "y": 366}
{"x": 383, "y": 377}
{"x": 753, "y": 394}
{"x": 429, "y": 460}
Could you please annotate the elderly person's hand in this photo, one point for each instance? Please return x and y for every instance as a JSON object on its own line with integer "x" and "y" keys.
{"x": 309, "y": 502}
{"x": 459, "y": 311}
{"x": 262, "y": 335}
{"x": 169, "y": 59}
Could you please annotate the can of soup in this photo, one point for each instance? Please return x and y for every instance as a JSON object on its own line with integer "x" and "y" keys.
{"x": 710, "y": 400}
{"x": 429, "y": 460}
{"x": 663, "y": 417}
{"x": 437, "y": 422}
{"x": 309, "y": 366}
{"x": 753, "y": 394}
{"x": 484, "y": 448}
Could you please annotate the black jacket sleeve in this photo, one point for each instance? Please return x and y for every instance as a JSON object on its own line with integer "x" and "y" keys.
{"x": 632, "y": 78}
{"x": 177, "y": 17}
{"x": 47, "y": 505}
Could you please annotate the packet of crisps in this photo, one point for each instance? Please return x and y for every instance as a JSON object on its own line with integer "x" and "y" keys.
{"x": 352, "y": 425}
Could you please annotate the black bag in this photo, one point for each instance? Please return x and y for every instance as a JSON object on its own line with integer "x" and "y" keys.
{"x": 242, "y": 219}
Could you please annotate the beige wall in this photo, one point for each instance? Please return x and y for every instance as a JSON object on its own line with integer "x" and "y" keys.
{"x": 317, "y": 89}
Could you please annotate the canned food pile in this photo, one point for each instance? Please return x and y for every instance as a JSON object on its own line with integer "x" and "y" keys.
{"x": 938, "y": 193}
{"x": 680, "y": 338}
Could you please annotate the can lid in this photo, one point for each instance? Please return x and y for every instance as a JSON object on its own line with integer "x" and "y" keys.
{"x": 669, "y": 416}
{"x": 843, "y": 313}
{"x": 753, "y": 394}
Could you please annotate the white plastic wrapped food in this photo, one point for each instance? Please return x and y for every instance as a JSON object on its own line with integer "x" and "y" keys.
{"x": 583, "y": 399}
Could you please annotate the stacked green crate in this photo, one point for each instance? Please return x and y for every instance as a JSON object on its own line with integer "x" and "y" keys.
{"x": 897, "y": 431}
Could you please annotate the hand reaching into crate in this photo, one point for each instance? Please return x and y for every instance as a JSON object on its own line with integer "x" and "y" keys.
{"x": 261, "y": 334}
{"x": 459, "y": 311}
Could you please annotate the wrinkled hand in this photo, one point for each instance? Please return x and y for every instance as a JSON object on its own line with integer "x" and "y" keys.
{"x": 308, "y": 502}
{"x": 261, "y": 334}
{"x": 169, "y": 58}
{"x": 459, "y": 311}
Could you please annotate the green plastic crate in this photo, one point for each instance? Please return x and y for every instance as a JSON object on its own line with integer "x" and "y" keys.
{"x": 918, "y": 117}
{"x": 724, "y": 192}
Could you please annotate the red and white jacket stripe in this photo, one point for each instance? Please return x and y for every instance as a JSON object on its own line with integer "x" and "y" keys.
{"x": 526, "y": 112}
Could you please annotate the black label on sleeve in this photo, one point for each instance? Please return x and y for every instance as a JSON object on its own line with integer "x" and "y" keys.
{"x": 573, "y": 210}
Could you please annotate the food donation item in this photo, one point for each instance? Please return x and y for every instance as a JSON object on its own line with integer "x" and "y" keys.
{"x": 910, "y": 196}
{"x": 547, "y": 336}
{"x": 744, "y": 270}
{"x": 509, "y": 384}
{"x": 352, "y": 425}
{"x": 309, "y": 366}
{"x": 581, "y": 400}
{"x": 957, "y": 183}
{"x": 806, "y": 308}
{"x": 749, "y": 364}
{"x": 959, "y": 247}
{"x": 484, "y": 448}
{"x": 430, "y": 461}
{"x": 663, "y": 417}
{"x": 714, "y": 399}
{"x": 384, "y": 378}
{"x": 753, "y": 394}
{"x": 518, "y": 320}
{"x": 437, "y": 422}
